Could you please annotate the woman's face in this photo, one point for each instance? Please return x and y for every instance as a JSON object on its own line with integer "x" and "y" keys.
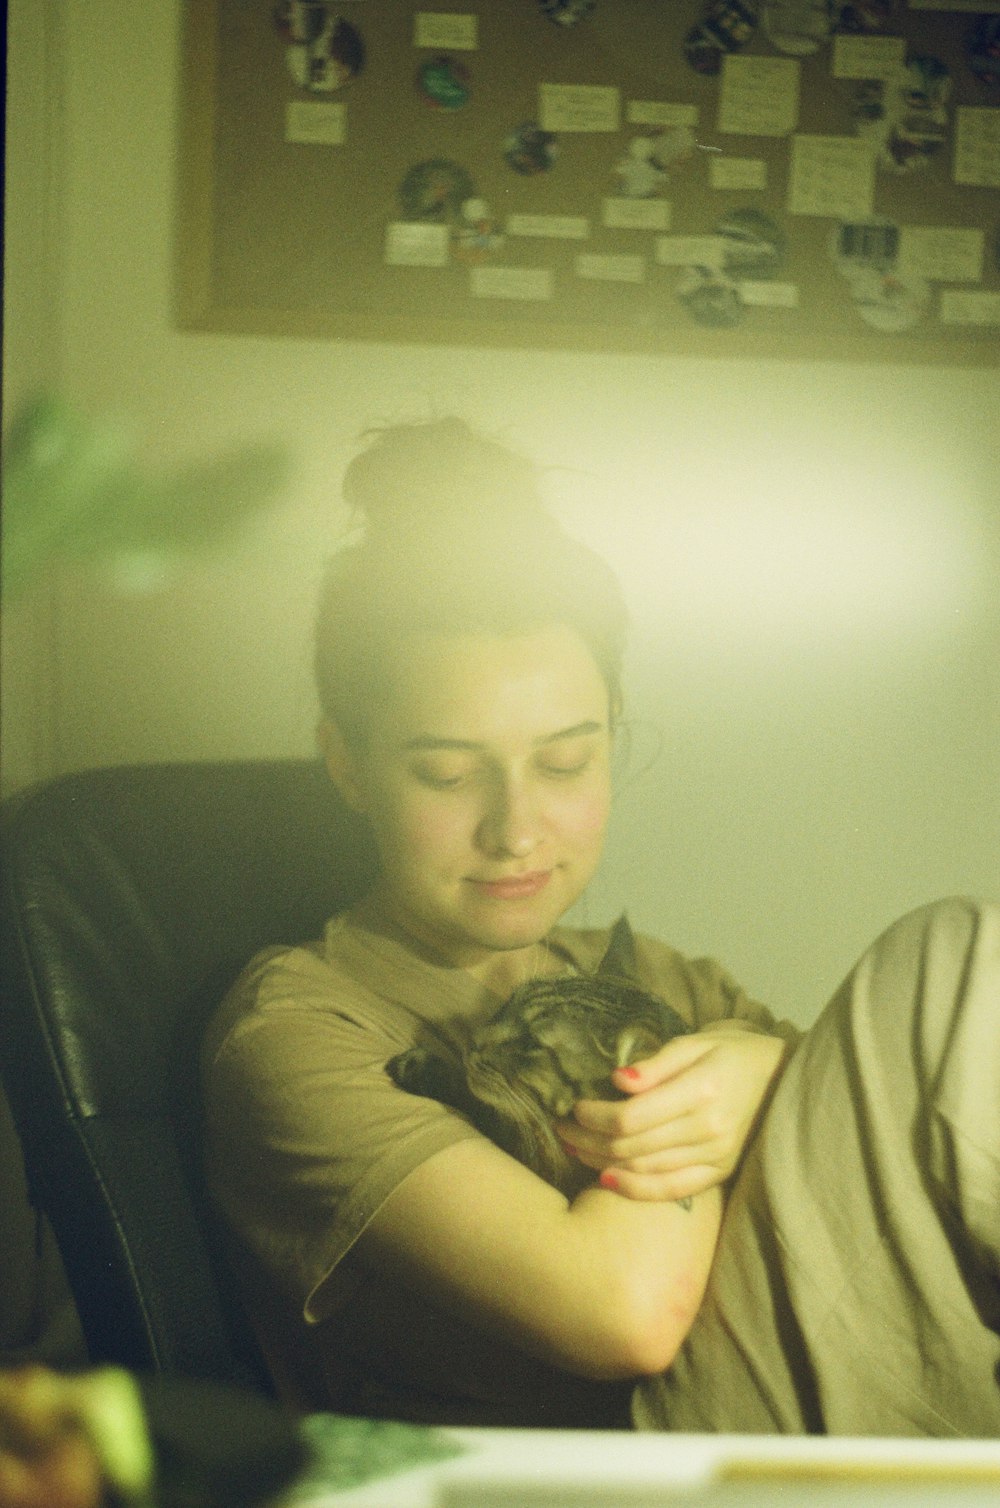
{"x": 486, "y": 781}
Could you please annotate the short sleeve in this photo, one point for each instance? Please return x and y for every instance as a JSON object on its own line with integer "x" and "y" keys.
{"x": 306, "y": 1135}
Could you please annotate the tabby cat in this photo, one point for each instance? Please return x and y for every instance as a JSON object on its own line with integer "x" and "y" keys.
{"x": 553, "y": 1042}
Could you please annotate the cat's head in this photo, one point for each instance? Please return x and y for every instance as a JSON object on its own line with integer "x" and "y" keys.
{"x": 556, "y": 1041}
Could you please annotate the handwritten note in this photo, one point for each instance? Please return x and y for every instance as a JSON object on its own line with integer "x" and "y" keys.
{"x": 977, "y": 146}
{"x": 759, "y": 96}
{"x": 411, "y": 244}
{"x": 690, "y": 251}
{"x": 768, "y": 295}
{"x": 559, "y": 227}
{"x": 867, "y": 57}
{"x": 636, "y": 214}
{"x": 960, "y": 306}
{"x": 316, "y": 123}
{"x": 831, "y": 175}
{"x": 510, "y": 282}
{"x": 447, "y": 30}
{"x": 656, "y": 112}
{"x": 613, "y": 267}
{"x": 736, "y": 174}
{"x": 948, "y": 254}
{"x": 579, "y": 107}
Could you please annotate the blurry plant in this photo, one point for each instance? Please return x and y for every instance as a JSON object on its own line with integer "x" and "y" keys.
{"x": 72, "y": 490}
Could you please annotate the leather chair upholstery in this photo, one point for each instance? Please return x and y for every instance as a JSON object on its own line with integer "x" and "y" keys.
{"x": 131, "y": 897}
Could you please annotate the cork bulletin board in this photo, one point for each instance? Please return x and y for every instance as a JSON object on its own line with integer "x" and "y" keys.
{"x": 798, "y": 178}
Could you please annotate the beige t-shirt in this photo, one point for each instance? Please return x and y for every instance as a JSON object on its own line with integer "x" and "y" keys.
{"x": 307, "y": 1135}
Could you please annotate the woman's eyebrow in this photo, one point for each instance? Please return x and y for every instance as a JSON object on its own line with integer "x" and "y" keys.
{"x": 429, "y": 741}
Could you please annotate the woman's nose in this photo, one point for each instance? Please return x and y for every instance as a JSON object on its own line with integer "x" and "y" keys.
{"x": 509, "y": 827}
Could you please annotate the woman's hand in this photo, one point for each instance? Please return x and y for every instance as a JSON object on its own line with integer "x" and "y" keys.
{"x": 689, "y": 1115}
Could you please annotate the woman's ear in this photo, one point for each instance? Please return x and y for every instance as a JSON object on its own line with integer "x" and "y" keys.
{"x": 341, "y": 764}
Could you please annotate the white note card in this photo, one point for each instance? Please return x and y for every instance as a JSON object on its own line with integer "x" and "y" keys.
{"x": 948, "y": 254}
{"x": 832, "y": 175}
{"x": 612, "y": 267}
{"x": 977, "y": 146}
{"x": 736, "y": 174}
{"x": 559, "y": 227}
{"x": 690, "y": 251}
{"x": 579, "y": 107}
{"x": 759, "y": 96}
{"x": 448, "y": 31}
{"x": 764, "y": 295}
{"x": 316, "y": 122}
{"x": 660, "y": 112}
{"x": 960, "y": 306}
{"x": 510, "y": 282}
{"x": 867, "y": 57}
{"x": 635, "y": 214}
{"x": 408, "y": 243}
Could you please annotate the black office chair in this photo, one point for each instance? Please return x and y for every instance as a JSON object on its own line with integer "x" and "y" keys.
{"x": 131, "y": 898}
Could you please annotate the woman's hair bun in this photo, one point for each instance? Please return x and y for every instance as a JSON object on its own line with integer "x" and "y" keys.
{"x": 417, "y": 476}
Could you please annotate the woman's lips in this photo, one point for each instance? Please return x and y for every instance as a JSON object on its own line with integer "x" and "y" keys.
{"x": 515, "y": 887}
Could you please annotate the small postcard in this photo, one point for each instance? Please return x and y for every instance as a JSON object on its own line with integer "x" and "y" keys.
{"x": 559, "y": 227}
{"x": 690, "y": 251}
{"x": 620, "y": 213}
{"x": 579, "y": 107}
{"x": 941, "y": 253}
{"x": 612, "y": 267}
{"x": 660, "y": 112}
{"x": 759, "y": 96}
{"x": 447, "y": 31}
{"x": 736, "y": 174}
{"x": 511, "y": 282}
{"x": 832, "y": 176}
{"x": 409, "y": 244}
{"x": 867, "y": 57}
{"x": 316, "y": 122}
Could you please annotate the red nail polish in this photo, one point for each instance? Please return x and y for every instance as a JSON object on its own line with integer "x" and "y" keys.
{"x": 631, "y": 1073}
{"x": 609, "y": 1180}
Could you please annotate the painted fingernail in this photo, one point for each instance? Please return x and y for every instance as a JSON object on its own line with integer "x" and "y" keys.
{"x": 568, "y": 1147}
{"x": 631, "y": 1073}
{"x": 609, "y": 1180}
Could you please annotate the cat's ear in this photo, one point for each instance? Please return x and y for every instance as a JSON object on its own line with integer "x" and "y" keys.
{"x": 619, "y": 961}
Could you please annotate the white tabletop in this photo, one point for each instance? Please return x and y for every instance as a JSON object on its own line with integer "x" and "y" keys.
{"x": 593, "y": 1469}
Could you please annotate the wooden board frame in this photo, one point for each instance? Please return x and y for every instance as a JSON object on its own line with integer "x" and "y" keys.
{"x": 283, "y": 237}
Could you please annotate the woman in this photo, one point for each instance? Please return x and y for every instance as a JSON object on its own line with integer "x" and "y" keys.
{"x": 395, "y": 1261}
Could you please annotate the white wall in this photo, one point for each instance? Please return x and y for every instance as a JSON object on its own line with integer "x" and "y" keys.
{"x": 811, "y": 553}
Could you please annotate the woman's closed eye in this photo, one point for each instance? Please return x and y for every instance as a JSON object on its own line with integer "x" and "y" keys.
{"x": 562, "y": 762}
{"x": 443, "y": 774}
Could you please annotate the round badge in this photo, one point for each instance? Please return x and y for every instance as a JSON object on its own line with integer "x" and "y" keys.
{"x": 799, "y": 27}
{"x": 983, "y": 51}
{"x": 566, "y": 12}
{"x": 710, "y": 298}
{"x": 865, "y": 18}
{"x": 528, "y": 149}
{"x": 724, "y": 28}
{"x": 888, "y": 303}
{"x": 753, "y": 245}
{"x": 444, "y": 83}
{"x": 329, "y": 56}
{"x": 435, "y": 190}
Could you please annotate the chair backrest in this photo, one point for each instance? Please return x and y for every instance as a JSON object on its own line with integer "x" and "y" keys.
{"x": 131, "y": 898}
